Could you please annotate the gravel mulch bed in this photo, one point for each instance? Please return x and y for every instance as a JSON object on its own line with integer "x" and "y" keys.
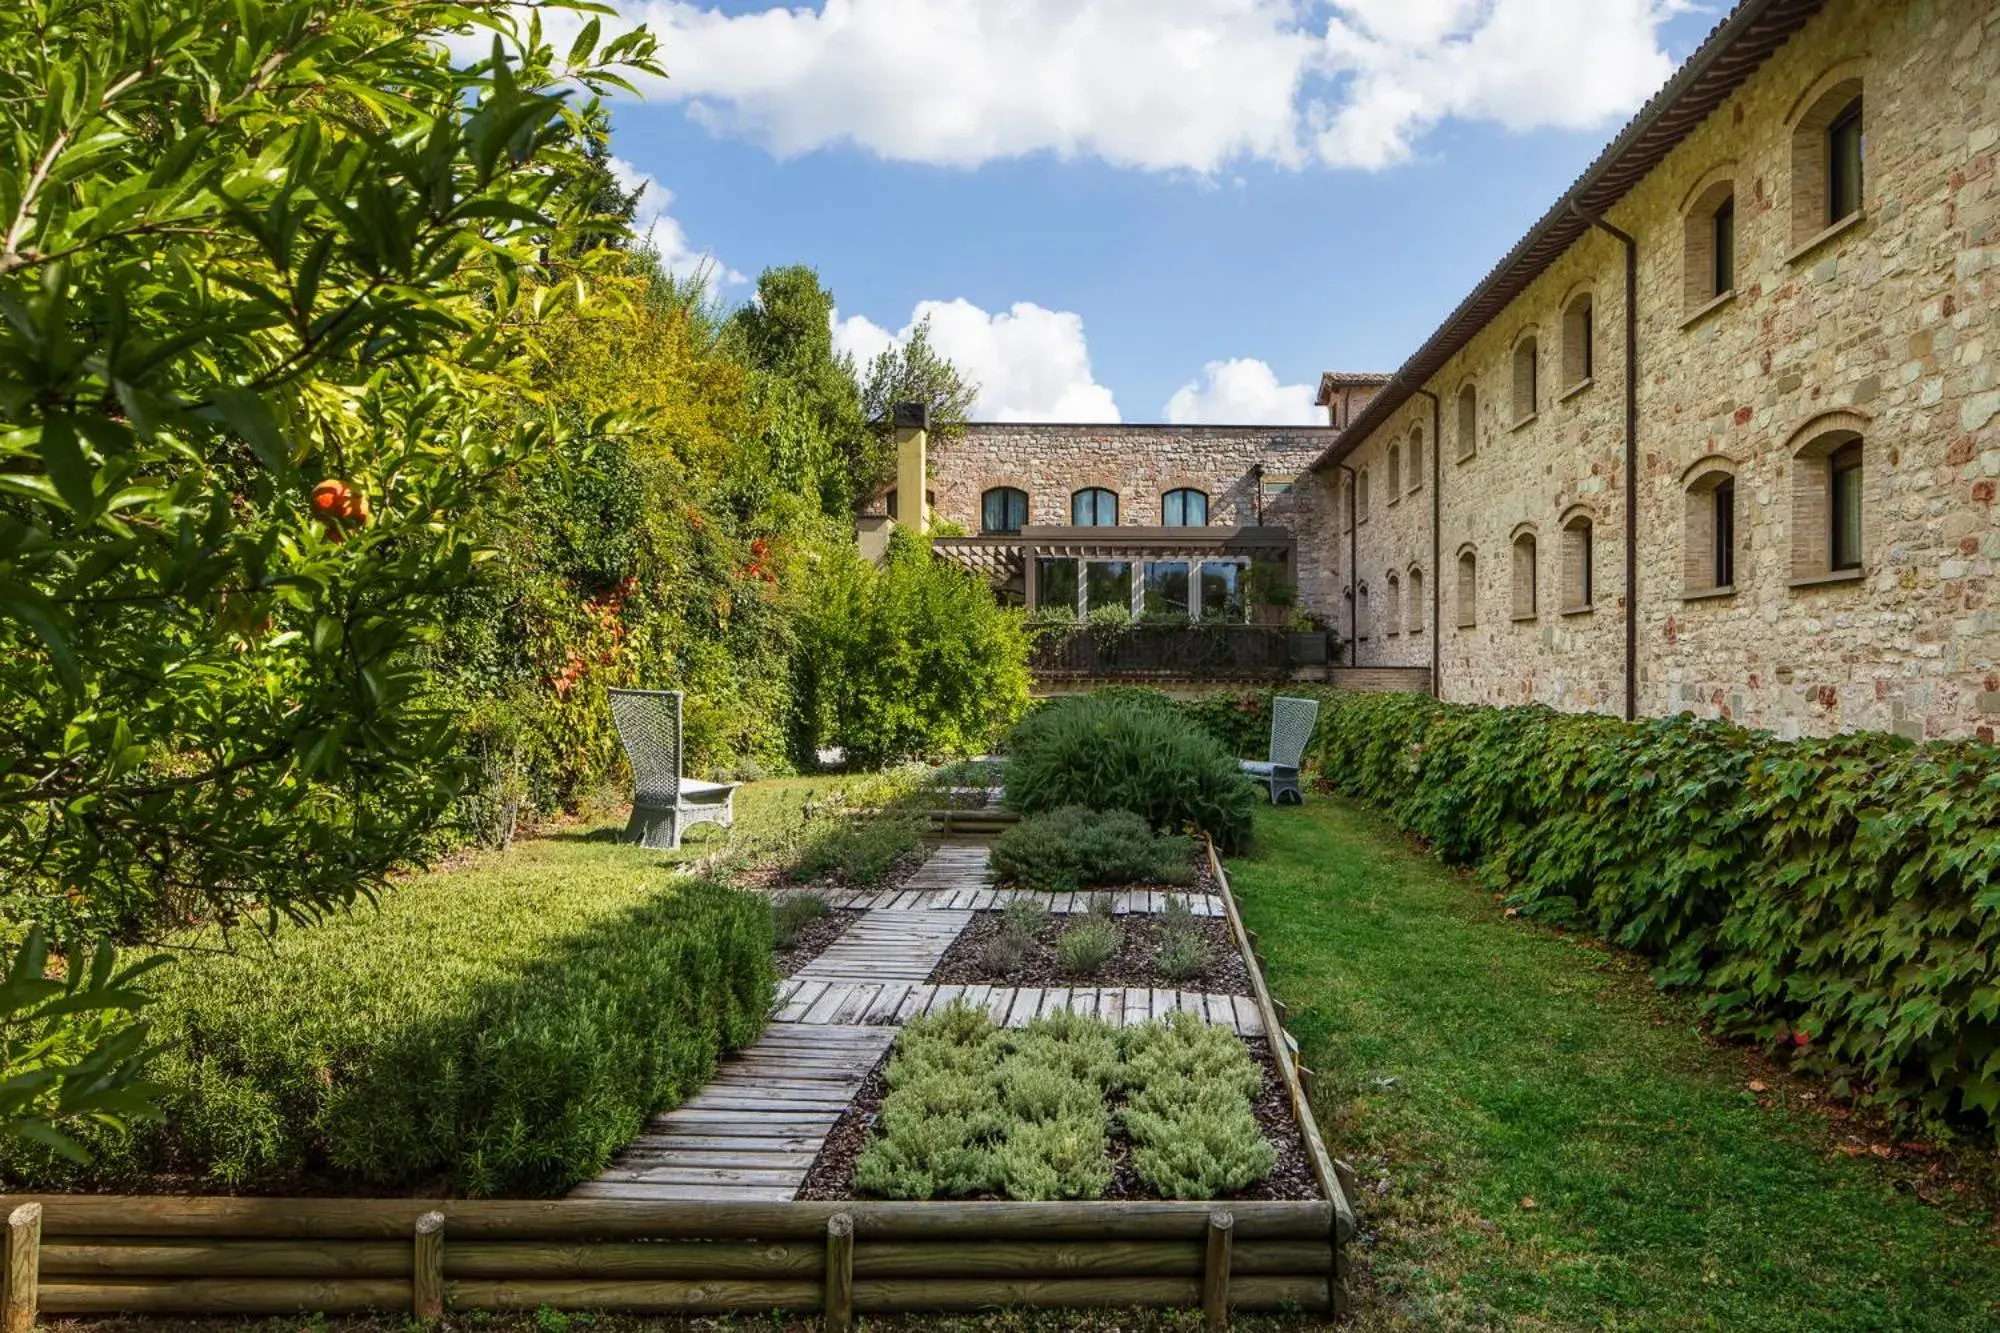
{"x": 832, "y": 1174}
{"x": 812, "y": 940}
{"x": 1133, "y": 965}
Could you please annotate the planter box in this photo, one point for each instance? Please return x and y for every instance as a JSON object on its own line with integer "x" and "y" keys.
{"x": 102, "y": 1254}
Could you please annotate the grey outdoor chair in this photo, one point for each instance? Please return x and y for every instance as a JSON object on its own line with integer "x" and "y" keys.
{"x": 1291, "y": 727}
{"x": 664, "y": 804}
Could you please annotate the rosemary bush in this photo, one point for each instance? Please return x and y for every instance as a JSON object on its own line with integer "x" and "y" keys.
{"x": 1110, "y": 752}
{"x": 1074, "y": 848}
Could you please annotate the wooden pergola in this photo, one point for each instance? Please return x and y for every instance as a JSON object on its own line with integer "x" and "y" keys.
{"x": 1010, "y": 559}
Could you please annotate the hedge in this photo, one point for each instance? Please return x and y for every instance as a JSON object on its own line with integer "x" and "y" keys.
{"x": 1839, "y": 896}
{"x": 482, "y": 1033}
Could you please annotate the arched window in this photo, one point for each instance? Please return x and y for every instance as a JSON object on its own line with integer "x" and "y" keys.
{"x": 1093, "y": 507}
{"x": 1525, "y": 388}
{"x": 1524, "y": 576}
{"x": 1416, "y": 458}
{"x": 1468, "y": 588}
{"x": 1184, "y": 508}
{"x": 1468, "y": 422}
{"x": 1709, "y": 564}
{"x": 1003, "y": 509}
{"x": 1395, "y": 473}
{"x": 1577, "y": 561}
{"x": 1361, "y": 497}
{"x": 1392, "y": 617}
{"x": 1829, "y": 151}
{"x": 1418, "y": 611}
{"x": 1579, "y": 341}
{"x": 1828, "y": 503}
{"x": 1362, "y": 623}
{"x": 1709, "y": 246}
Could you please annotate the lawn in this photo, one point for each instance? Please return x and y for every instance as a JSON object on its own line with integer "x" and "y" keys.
{"x": 1544, "y": 1141}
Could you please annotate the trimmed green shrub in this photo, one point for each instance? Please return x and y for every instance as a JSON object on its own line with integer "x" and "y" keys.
{"x": 1025, "y": 1113}
{"x": 1005, "y": 951}
{"x": 927, "y": 1158}
{"x": 1839, "y": 896}
{"x": 1109, "y": 752}
{"x": 792, "y": 915}
{"x": 1023, "y": 918}
{"x": 1188, "y": 1109}
{"x": 1181, "y": 957}
{"x": 1085, "y": 947}
{"x": 1064, "y": 1158}
{"x": 1184, "y": 950}
{"x": 1074, "y": 848}
{"x": 942, "y": 1115}
{"x": 492, "y": 1034}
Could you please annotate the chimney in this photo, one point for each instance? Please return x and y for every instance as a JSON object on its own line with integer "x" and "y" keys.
{"x": 912, "y": 422}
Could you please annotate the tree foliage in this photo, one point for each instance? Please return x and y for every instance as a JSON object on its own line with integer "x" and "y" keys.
{"x": 914, "y": 373}
{"x": 786, "y": 333}
{"x": 248, "y": 247}
{"x": 914, "y": 658}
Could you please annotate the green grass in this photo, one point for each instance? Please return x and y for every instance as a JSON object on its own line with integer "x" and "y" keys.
{"x": 1555, "y": 1144}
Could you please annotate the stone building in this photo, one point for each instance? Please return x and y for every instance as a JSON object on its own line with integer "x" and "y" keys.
{"x": 1722, "y": 432}
{"x": 1167, "y": 518}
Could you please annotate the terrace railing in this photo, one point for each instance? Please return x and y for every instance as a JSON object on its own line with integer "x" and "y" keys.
{"x": 1198, "y": 652}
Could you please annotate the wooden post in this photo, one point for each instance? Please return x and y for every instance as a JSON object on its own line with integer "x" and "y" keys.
{"x": 24, "y": 1261}
{"x": 427, "y": 1277}
{"x": 1215, "y": 1272}
{"x": 839, "y": 1273}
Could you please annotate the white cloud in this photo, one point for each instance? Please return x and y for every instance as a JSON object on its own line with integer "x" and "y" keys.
{"x": 1405, "y": 65}
{"x": 1244, "y": 392}
{"x": 1152, "y": 84}
{"x": 656, "y": 227}
{"x": 1031, "y": 364}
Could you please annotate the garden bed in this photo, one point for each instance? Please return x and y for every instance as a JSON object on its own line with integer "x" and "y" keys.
{"x": 107, "y": 1254}
{"x": 1136, "y": 962}
{"x": 1291, "y": 1177}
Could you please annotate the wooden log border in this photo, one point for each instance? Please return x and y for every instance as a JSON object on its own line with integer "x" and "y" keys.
{"x": 104, "y": 1254}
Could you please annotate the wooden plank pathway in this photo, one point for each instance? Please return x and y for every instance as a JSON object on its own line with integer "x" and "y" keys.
{"x": 887, "y": 946}
{"x": 960, "y": 879}
{"x": 809, "y": 1001}
{"x": 753, "y": 1131}
{"x": 986, "y": 898}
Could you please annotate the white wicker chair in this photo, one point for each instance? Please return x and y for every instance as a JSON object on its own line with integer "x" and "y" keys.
{"x": 664, "y": 804}
{"x": 1291, "y": 727}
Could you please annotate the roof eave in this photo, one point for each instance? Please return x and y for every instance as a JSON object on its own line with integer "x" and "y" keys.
{"x": 1760, "y": 27}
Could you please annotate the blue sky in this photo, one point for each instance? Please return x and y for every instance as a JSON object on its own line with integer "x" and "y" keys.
{"x": 1313, "y": 187}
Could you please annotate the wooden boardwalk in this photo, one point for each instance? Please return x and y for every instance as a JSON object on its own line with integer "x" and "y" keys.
{"x": 888, "y": 946}
{"x": 986, "y": 898}
{"x": 809, "y": 1002}
{"x": 752, "y": 1133}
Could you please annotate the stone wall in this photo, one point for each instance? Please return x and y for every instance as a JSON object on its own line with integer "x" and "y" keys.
{"x": 1884, "y": 329}
{"x": 1140, "y": 462}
